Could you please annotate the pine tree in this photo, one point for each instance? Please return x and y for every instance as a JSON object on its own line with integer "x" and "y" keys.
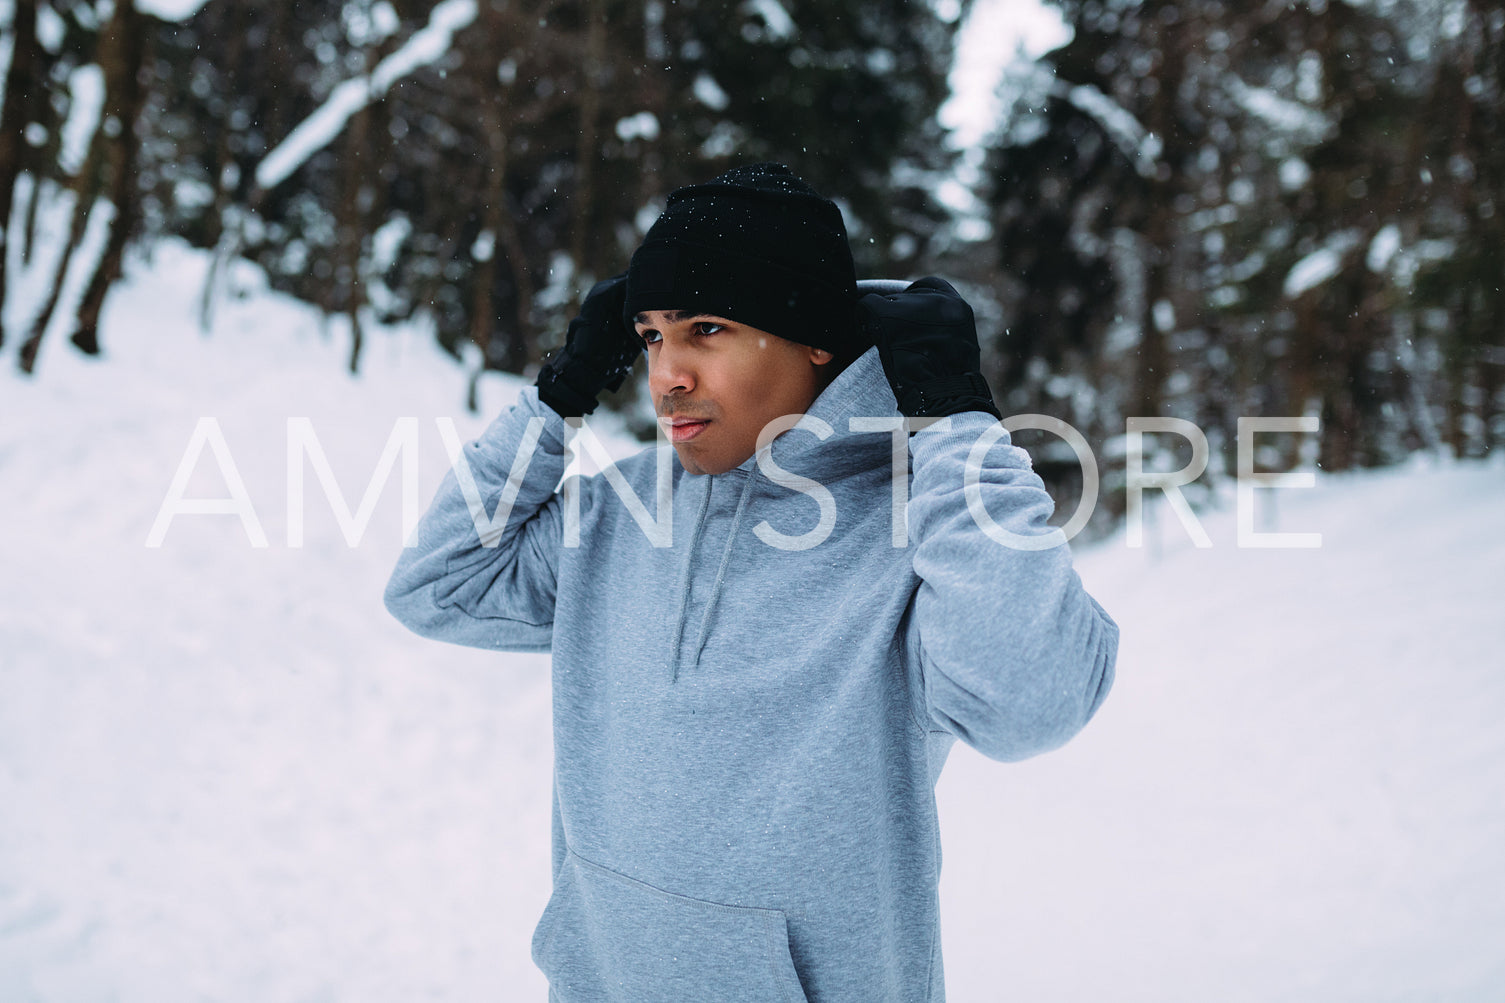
{"x": 1206, "y": 211}
{"x": 491, "y": 187}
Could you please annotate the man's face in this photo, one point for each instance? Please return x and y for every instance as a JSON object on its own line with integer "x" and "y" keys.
{"x": 717, "y": 383}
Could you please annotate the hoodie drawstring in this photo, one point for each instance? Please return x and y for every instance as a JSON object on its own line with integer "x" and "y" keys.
{"x": 726, "y": 559}
{"x": 684, "y": 583}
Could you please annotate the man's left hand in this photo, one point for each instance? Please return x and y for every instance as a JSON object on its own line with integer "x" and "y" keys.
{"x": 927, "y": 340}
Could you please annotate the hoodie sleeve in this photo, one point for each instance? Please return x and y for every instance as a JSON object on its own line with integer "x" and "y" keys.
{"x": 1013, "y": 655}
{"x": 481, "y": 578}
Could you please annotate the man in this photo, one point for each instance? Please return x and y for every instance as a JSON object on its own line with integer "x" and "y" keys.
{"x": 751, "y": 710}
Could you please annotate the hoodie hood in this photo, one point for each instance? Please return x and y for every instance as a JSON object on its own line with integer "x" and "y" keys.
{"x": 860, "y": 391}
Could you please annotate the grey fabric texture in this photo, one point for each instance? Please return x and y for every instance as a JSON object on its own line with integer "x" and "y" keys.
{"x": 747, "y": 737}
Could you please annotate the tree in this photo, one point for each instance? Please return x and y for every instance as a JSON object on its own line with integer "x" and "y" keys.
{"x": 489, "y": 186}
{"x": 16, "y": 114}
{"x": 80, "y": 94}
{"x": 1207, "y": 211}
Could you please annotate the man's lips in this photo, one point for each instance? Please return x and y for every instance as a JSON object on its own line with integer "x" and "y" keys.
{"x": 683, "y": 429}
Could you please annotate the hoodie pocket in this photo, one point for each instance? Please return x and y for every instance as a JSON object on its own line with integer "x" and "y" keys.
{"x": 607, "y": 937}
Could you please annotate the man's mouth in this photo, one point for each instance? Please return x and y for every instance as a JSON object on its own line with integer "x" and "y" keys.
{"x": 683, "y": 429}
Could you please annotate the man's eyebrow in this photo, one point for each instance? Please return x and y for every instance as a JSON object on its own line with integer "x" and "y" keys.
{"x": 673, "y": 316}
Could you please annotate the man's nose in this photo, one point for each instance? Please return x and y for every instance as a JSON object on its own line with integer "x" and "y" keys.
{"x": 669, "y": 372}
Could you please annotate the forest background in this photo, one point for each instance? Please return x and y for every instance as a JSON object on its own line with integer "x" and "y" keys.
{"x": 1191, "y": 209}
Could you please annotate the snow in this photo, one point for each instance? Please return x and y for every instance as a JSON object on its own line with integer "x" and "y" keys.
{"x": 86, "y": 88}
{"x": 1303, "y": 123}
{"x": 1382, "y": 248}
{"x": 51, "y": 29}
{"x": 427, "y": 44}
{"x": 1320, "y": 265}
{"x": 1294, "y": 791}
{"x": 7, "y": 45}
{"x": 1140, "y": 146}
{"x": 709, "y": 93}
{"x": 371, "y": 26}
{"x": 643, "y": 125}
{"x": 780, "y": 26}
{"x": 996, "y": 34}
{"x": 387, "y": 241}
{"x": 1294, "y": 174}
{"x": 317, "y": 131}
{"x": 30, "y": 277}
{"x": 228, "y": 774}
{"x": 170, "y": 10}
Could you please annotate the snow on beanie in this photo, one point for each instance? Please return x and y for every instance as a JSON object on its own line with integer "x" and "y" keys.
{"x": 758, "y": 246}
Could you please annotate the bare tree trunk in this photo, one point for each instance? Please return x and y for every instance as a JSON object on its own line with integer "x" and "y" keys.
{"x": 122, "y": 53}
{"x": 29, "y": 228}
{"x": 352, "y": 228}
{"x": 483, "y": 299}
{"x": 27, "y": 358}
{"x": 18, "y": 86}
{"x": 239, "y": 19}
{"x": 1153, "y": 357}
{"x": 590, "y": 114}
{"x": 523, "y": 344}
{"x": 1163, "y": 120}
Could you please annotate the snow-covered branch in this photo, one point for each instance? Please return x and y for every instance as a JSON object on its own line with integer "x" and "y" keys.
{"x": 1138, "y": 144}
{"x": 1304, "y": 123}
{"x": 319, "y": 129}
{"x": 1321, "y": 265}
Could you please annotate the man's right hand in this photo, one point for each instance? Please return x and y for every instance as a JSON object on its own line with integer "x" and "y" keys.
{"x": 599, "y": 351}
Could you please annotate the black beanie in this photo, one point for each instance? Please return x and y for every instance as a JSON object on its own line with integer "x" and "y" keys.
{"x": 758, "y": 246}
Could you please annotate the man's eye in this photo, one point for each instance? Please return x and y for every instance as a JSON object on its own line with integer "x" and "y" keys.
{"x": 650, "y": 336}
{"x": 706, "y": 327}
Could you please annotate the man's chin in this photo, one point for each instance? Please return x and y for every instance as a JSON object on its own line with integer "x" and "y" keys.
{"x": 695, "y": 460}
{"x": 689, "y": 460}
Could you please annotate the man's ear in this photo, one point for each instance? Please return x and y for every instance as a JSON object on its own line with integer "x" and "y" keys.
{"x": 819, "y": 356}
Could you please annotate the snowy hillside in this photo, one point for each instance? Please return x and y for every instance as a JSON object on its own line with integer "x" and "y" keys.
{"x": 226, "y": 774}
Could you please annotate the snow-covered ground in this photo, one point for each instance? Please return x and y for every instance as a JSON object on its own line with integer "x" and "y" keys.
{"x": 226, "y": 774}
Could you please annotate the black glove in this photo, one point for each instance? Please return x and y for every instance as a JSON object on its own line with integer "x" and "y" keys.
{"x": 598, "y": 352}
{"x": 927, "y": 340}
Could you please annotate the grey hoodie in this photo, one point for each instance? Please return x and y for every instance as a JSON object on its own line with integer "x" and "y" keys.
{"x": 747, "y": 735}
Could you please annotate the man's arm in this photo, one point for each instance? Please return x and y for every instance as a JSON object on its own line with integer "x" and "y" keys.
{"x": 491, "y": 589}
{"x": 482, "y": 573}
{"x": 1007, "y": 650}
{"x": 1014, "y": 656}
